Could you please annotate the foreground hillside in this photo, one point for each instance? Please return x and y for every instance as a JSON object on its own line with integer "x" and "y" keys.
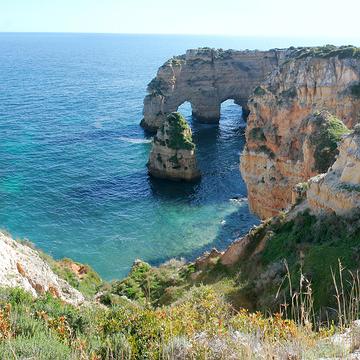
{"x": 198, "y": 310}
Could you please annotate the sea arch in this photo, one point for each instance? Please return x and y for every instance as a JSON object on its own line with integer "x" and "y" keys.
{"x": 206, "y": 78}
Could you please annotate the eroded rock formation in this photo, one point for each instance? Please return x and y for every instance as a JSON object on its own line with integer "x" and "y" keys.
{"x": 339, "y": 189}
{"x": 172, "y": 154}
{"x": 286, "y": 123}
{"x": 206, "y": 77}
{"x": 21, "y": 266}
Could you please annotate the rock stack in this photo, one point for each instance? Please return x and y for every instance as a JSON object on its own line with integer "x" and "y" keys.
{"x": 173, "y": 152}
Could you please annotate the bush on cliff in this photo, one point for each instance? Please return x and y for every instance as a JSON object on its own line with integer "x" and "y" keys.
{"x": 179, "y": 132}
{"x": 327, "y": 51}
{"x": 325, "y": 139}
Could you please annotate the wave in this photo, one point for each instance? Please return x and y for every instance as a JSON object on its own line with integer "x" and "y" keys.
{"x": 135, "y": 140}
{"x": 238, "y": 199}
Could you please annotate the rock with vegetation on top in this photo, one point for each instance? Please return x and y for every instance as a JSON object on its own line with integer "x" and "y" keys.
{"x": 276, "y": 156}
{"x": 22, "y": 266}
{"x": 173, "y": 152}
{"x": 339, "y": 189}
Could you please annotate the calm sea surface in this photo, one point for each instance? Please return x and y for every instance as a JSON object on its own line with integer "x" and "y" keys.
{"x": 72, "y": 154}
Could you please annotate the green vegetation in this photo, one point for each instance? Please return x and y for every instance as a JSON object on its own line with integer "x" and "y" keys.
{"x": 146, "y": 284}
{"x": 315, "y": 245}
{"x": 87, "y": 283}
{"x": 179, "y": 132}
{"x": 257, "y": 134}
{"x": 289, "y": 93}
{"x": 85, "y": 279}
{"x": 177, "y": 61}
{"x": 156, "y": 86}
{"x": 350, "y": 187}
{"x": 328, "y": 51}
{"x": 259, "y": 91}
{"x": 325, "y": 139}
{"x": 266, "y": 150}
{"x": 201, "y": 325}
{"x": 355, "y": 90}
{"x": 159, "y": 158}
{"x": 174, "y": 159}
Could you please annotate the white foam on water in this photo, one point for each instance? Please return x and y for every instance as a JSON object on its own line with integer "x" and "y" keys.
{"x": 135, "y": 140}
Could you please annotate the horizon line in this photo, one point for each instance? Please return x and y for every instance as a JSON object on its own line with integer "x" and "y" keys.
{"x": 176, "y": 34}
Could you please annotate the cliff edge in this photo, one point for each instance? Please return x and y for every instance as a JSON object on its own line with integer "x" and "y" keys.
{"x": 284, "y": 111}
{"x": 22, "y": 266}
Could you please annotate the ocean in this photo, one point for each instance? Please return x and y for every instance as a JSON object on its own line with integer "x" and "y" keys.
{"x": 73, "y": 177}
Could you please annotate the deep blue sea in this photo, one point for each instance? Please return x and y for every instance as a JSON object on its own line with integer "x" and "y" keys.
{"x": 72, "y": 154}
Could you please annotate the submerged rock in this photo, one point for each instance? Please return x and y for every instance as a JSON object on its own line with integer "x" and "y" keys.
{"x": 173, "y": 152}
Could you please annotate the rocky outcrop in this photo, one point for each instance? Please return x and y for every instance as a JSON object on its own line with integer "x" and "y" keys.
{"x": 339, "y": 189}
{"x": 286, "y": 124}
{"x": 206, "y": 77}
{"x": 172, "y": 154}
{"x": 22, "y": 266}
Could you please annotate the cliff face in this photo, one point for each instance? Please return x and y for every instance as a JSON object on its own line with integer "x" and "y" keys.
{"x": 21, "y": 266}
{"x": 286, "y": 119}
{"x": 172, "y": 154}
{"x": 339, "y": 189}
{"x": 206, "y": 78}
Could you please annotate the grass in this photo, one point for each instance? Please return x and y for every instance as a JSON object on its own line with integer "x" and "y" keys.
{"x": 325, "y": 139}
{"x": 315, "y": 245}
{"x": 201, "y": 325}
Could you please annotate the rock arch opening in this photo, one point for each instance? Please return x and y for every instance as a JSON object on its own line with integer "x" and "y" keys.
{"x": 185, "y": 109}
{"x": 206, "y": 77}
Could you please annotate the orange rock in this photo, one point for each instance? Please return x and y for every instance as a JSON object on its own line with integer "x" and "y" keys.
{"x": 20, "y": 269}
{"x": 279, "y": 153}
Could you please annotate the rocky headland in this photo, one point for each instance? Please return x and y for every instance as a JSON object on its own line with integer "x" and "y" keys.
{"x": 286, "y": 122}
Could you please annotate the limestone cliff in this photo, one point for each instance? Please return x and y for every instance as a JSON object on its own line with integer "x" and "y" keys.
{"x": 339, "y": 189}
{"x": 206, "y": 77}
{"x": 22, "y": 266}
{"x": 172, "y": 154}
{"x": 286, "y": 120}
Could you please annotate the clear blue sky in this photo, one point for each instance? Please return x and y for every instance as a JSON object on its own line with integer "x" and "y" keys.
{"x": 305, "y": 18}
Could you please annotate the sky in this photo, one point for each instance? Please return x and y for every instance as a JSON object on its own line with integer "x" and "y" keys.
{"x": 302, "y": 18}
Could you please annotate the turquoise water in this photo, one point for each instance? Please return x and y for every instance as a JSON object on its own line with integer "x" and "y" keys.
{"x": 72, "y": 155}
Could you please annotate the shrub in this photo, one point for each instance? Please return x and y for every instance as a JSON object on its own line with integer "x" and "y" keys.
{"x": 325, "y": 139}
{"x": 355, "y": 90}
{"x": 259, "y": 91}
{"x": 257, "y": 134}
{"x": 179, "y": 132}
